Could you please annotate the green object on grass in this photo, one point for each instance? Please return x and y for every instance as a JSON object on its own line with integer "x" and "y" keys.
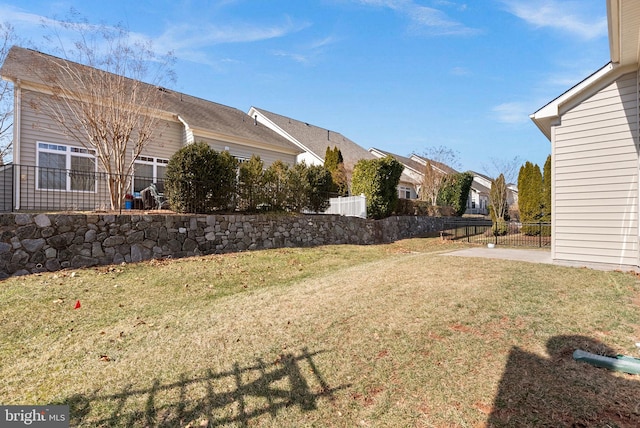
{"x": 621, "y": 363}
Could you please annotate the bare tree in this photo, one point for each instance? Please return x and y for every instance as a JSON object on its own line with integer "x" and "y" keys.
{"x": 440, "y": 161}
{"x": 443, "y": 155}
{"x": 432, "y": 182}
{"x": 7, "y": 38}
{"x": 498, "y": 198}
{"x": 509, "y": 168}
{"x": 98, "y": 97}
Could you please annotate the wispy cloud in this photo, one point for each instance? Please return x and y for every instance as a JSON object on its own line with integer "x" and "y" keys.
{"x": 514, "y": 113}
{"x": 296, "y": 57}
{"x": 18, "y": 18}
{"x": 187, "y": 41}
{"x": 567, "y": 79}
{"x": 436, "y": 22}
{"x": 179, "y": 36}
{"x": 321, "y": 43}
{"x": 426, "y": 20}
{"x": 309, "y": 53}
{"x": 567, "y": 16}
{"x": 460, "y": 71}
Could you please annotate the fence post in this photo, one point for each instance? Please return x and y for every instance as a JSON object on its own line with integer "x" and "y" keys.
{"x": 540, "y": 234}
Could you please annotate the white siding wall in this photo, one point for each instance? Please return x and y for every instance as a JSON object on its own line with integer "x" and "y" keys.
{"x": 595, "y": 178}
{"x": 309, "y": 159}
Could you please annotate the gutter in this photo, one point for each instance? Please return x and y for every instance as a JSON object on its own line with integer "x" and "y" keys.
{"x": 613, "y": 22}
{"x": 17, "y": 118}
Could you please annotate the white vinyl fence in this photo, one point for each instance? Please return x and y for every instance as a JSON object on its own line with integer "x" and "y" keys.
{"x": 351, "y": 206}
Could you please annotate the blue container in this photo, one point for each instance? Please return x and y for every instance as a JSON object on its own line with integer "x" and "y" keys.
{"x": 128, "y": 204}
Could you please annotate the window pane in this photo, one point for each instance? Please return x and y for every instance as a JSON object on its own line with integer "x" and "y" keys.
{"x": 83, "y": 174}
{"x": 161, "y": 171}
{"x": 143, "y": 176}
{"x": 51, "y": 171}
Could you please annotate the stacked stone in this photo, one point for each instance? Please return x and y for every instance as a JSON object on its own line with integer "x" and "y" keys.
{"x": 31, "y": 243}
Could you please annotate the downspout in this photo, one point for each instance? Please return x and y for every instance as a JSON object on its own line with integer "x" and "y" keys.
{"x": 188, "y": 132}
{"x": 17, "y": 109}
{"x": 638, "y": 150}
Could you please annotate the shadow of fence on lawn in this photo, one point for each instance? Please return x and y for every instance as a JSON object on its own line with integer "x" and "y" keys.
{"x": 235, "y": 396}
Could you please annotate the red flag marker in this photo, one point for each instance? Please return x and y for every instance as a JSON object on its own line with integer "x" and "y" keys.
{"x": 77, "y": 306}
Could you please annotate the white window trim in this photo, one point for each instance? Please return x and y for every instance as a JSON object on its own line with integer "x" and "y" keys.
{"x": 68, "y": 153}
{"x": 403, "y": 190}
{"x": 148, "y": 160}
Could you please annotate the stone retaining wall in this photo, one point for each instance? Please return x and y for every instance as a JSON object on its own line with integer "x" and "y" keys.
{"x": 31, "y": 243}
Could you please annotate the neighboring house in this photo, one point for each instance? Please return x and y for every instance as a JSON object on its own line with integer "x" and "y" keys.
{"x": 311, "y": 139}
{"x": 411, "y": 177}
{"x": 593, "y": 129}
{"x": 478, "y": 199}
{"x": 512, "y": 195}
{"x": 478, "y": 202}
{"x": 39, "y": 142}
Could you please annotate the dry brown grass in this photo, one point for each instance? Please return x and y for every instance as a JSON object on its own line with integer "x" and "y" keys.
{"x": 388, "y": 335}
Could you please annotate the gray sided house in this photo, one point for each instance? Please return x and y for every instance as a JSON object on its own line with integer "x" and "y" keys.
{"x": 478, "y": 201}
{"x": 412, "y": 174}
{"x": 39, "y": 142}
{"x": 593, "y": 129}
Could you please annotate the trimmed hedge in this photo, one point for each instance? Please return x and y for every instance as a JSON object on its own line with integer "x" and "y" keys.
{"x": 200, "y": 179}
{"x": 378, "y": 180}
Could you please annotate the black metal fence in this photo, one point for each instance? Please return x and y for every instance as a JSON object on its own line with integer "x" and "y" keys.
{"x": 36, "y": 188}
{"x": 513, "y": 234}
{"x": 32, "y": 188}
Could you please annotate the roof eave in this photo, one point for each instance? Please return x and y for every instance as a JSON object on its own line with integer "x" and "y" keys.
{"x": 548, "y": 114}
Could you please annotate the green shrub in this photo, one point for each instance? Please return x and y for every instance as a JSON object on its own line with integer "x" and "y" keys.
{"x": 530, "y": 198}
{"x": 334, "y": 163}
{"x": 499, "y": 227}
{"x": 320, "y": 184}
{"x": 455, "y": 192}
{"x": 199, "y": 179}
{"x": 297, "y": 188}
{"x": 378, "y": 180}
{"x": 275, "y": 186}
{"x": 250, "y": 184}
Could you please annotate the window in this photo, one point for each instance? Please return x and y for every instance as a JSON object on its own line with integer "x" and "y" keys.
{"x": 65, "y": 168}
{"x": 404, "y": 192}
{"x": 148, "y": 170}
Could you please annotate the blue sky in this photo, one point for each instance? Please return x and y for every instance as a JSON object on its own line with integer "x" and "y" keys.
{"x": 398, "y": 75}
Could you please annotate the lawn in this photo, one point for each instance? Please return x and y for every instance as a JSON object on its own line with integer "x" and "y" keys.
{"x": 386, "y": 335}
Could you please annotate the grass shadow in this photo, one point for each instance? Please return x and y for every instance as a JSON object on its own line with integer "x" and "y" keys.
{"x": 235, "y": 396}
{"x": 558, "y": 391}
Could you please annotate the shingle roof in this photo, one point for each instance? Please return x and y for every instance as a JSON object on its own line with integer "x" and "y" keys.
{"x": 406, "y": 163}
{"x": 317, "y": 139}
{"x": 446, "y": 168}
{"x": 486, "y": 177}
{"x": 210, "y": 116}
{"x": 198, "y": 113}
{"x": 416, "y": 166}
{"x": 480, "y": 187}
